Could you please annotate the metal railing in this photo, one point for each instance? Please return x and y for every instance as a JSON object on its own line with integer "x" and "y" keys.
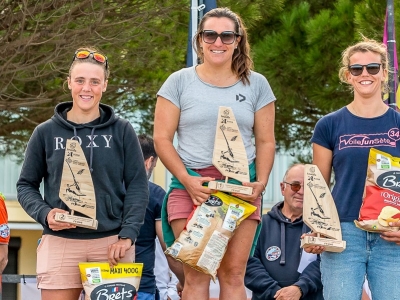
{"x": 12, "y": 278}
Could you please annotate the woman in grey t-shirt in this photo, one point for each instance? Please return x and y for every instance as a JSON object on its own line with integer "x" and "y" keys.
{"x": 188, "y": 104}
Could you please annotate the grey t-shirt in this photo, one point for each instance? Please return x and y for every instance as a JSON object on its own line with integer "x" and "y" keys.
{"x": 199, "y": 102}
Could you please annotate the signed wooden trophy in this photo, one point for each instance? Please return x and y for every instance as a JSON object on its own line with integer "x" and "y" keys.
{"x": 76, "y": 189}
{"x": 230, "y": 156}
{"x": 319, "y": 213}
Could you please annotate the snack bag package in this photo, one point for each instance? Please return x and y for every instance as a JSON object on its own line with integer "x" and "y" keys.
{"x": 101, "y": 282}
{"x": 202, "y": 244}
{"x": 381, "y": 198}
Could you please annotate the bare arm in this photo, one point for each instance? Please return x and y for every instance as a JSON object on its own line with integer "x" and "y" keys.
{"x": 166, "y": 121}
{"x": 265, "y": 141}
{"x": 3, "y": 257}
{"x": 175, "y": 265}
{"x": 264, "y": 121}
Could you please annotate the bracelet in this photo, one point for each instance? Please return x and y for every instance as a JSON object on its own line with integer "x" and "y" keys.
{"x": 262, "y": 184}
{"x": 263, "y": 192}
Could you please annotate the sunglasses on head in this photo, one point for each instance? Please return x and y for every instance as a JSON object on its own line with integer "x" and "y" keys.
{"x": 295, "y": 186}
{"x": 82, "y": 54}
{"x": 372, "y": 69}
{"x": 227, "y": 37}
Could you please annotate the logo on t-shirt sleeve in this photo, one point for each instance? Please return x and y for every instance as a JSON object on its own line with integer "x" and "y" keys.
{"x": 4, "y": 231}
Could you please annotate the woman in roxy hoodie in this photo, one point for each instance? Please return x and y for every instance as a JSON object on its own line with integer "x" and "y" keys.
{"x": 115, "y": 161}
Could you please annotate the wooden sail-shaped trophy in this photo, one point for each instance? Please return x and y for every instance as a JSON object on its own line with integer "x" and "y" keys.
{"x": 319, "y": 213}
{"x": 76, "y": 189}
{"x": 230, "y": 156}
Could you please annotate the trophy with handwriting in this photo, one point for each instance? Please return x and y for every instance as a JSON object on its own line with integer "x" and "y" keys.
{"x": 76, "y": 189}
{"x": 229, "y": 155}
{"x": 320, "y": 213}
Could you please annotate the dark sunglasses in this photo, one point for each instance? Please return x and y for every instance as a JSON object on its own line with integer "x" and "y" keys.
{"x": 82, "y": 54}
{"x": 227, "y": 37}
{"x": 294, "y": 186}
{"x": 372, "y": 69}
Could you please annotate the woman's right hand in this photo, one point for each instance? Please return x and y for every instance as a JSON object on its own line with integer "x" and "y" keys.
{"x": 392, "y": 236}
{"x": 196, "y": 190}
{"x": 56, "y": 225}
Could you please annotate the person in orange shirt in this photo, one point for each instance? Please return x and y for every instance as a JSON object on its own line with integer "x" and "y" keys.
{"x": 4, "y": 234}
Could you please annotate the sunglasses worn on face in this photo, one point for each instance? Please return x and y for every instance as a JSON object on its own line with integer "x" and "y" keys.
{"x": 82, "y": 54}
{"x": 227, "y": 37}
{"x": 294, "y": 186}
{"x": 372, "y": 69}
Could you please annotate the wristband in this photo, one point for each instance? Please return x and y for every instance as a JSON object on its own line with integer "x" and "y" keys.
{"x": 125, "y": 238}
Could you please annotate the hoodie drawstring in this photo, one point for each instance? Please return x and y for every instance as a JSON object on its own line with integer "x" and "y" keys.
{"x": 283, "y": 246}
{"x": 75, "y": 134}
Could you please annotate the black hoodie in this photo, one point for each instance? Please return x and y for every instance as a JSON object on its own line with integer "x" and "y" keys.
{"x": 281, "y": 237}
{"x": 115, "y": 159}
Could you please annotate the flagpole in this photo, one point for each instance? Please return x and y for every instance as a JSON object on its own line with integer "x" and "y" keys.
{"x": 391, "y": 45}
{"x": 194, "y": 23}
{"x": 197, "y": 10}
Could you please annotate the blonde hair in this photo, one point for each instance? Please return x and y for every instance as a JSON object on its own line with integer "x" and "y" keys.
{"x": 367, "y": 45}
{"x": 241, "y": 61}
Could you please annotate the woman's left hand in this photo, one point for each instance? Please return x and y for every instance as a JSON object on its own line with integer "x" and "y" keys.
{"x": 258, "y": 188}
{"x": 392, "y": 236}
{"x": 117, "y": 251}
{"x": 313, "y": 249}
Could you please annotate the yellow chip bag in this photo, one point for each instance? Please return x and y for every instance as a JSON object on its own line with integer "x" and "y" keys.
{"x": 101, "y": 282}
{"x": 203, "y": 243}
